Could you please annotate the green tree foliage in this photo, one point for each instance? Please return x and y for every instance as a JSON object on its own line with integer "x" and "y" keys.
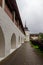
{"x": 41, "y": 36}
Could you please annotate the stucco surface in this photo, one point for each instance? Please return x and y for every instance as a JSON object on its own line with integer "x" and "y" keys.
{"x": 9, "y": 28}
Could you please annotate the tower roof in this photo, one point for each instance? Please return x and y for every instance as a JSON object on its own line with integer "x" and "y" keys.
{"x": 26, "y": 28}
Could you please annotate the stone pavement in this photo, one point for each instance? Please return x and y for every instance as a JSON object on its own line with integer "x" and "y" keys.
{"x": 25, "y": 55}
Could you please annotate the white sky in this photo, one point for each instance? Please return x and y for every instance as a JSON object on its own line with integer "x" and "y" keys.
{"x": 31, "y": 11}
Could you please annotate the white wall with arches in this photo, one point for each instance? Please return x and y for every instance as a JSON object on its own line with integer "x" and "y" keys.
{"x": 10, "y": 35}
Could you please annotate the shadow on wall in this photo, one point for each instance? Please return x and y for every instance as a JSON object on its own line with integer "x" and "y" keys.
{"x": 13, "y": 41}
{"x": 2, "y": 44}
{"x": 19, "y": 39}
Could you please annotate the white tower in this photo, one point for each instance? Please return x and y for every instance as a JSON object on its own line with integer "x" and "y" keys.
{"x": 27, "y": 33}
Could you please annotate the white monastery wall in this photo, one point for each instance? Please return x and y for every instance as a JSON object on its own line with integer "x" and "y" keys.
{"x": 10, "y": 31}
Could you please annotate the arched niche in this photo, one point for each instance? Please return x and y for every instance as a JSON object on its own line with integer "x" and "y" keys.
{"x": 2, "y": 44}
{"x": 13, "y": 41}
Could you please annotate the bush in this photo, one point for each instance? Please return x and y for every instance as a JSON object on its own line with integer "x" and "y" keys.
{"x": 41, "y": 36}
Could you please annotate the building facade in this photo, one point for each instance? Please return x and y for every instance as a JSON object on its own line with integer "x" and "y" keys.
{"x": 34, "y": 36}
{"x": 12, "y": 32}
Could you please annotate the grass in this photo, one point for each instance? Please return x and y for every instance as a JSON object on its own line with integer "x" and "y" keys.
{"x": 36, "y": 47}
{"x": 39, "y": 52}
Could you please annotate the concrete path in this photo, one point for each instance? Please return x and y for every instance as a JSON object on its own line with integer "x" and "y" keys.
{"x": 25, "y": 55}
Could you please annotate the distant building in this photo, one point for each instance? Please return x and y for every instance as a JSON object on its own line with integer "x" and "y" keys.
{"x": 34, "y": 36}
{"x": 27, "y": 36}
{"x": 12, "y": 32}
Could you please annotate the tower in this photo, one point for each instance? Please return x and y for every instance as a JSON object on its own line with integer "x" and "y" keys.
{"x": 27, "y": 33}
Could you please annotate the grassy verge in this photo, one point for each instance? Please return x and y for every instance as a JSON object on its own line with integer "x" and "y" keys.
{"x": 37, "y": 49}
{"x": 34, "y": 46}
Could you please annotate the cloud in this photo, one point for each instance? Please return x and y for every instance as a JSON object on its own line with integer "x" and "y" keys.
{"x": 31, "y": 11}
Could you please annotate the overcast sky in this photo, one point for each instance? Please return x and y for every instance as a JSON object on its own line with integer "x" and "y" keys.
{"x": 31, "y": 12}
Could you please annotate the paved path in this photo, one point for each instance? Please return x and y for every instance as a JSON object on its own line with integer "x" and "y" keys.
{"x": 25, "y": 55}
